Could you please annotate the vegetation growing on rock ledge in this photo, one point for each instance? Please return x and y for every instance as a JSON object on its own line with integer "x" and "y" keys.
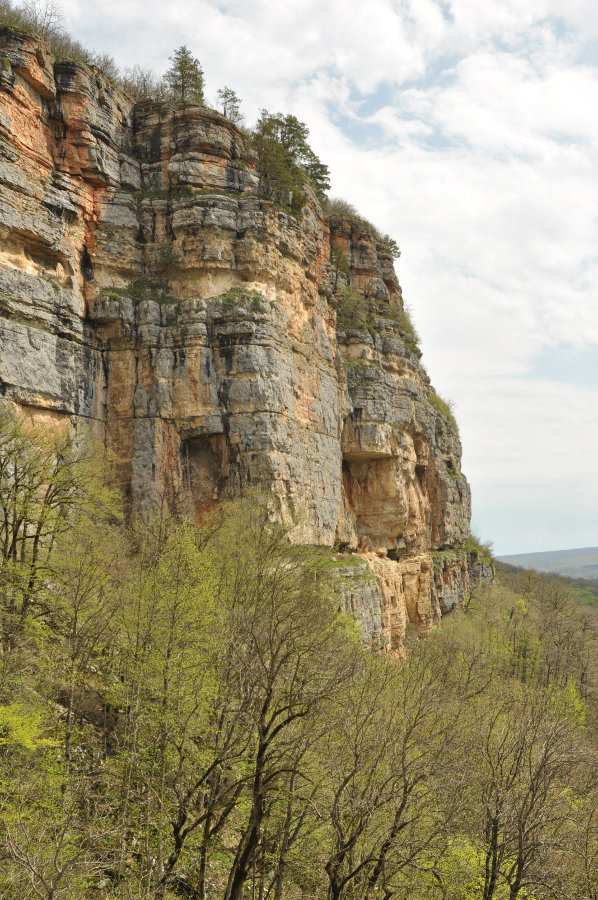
{"x": 342, "y": 210}
{"x": 285, "y": 159}
{"x": 286, "y": 162}
{"x": 444, "y": 407}
{"x": 235, "y": 295}
{"x": 358, "y": 311}
{"x": 140, "y": 291}
{"x": 474, "y": 544}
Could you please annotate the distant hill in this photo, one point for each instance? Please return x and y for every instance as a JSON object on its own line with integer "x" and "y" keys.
{"x": 580, "y": 563}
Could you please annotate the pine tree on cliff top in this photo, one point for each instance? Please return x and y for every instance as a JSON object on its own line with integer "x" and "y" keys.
{"x": 230, "y": 104}
{"x": 285, "y": 158}
{"x": 185, "y": 78}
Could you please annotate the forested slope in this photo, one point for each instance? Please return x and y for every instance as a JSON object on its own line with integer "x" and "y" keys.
{"x": 184, "y": 713}
{"x": 579, "y": 563}
{"x": 585, "y": 590}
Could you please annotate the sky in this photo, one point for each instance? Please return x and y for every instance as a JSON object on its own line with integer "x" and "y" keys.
{"x": 468, "y": 130}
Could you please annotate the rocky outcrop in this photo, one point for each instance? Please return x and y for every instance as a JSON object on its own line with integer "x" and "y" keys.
{"x": 212, "y": 340}
{"x": 385, "y": 596}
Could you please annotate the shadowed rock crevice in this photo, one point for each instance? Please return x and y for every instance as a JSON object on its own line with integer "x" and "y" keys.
{"x": 205, "y": 471}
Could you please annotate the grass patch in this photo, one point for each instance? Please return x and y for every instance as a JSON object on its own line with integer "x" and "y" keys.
{"x": 234, "y": 296}
{"x": 139, "y": 291}
{"x": 187, "y": 190}
{"x": 147, "y": 194}
{"x": 444, "y": 407}
{"x": 342, "y": 210}
{"x": 360, "y": 365}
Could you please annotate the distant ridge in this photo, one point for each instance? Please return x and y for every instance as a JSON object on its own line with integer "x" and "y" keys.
{"x": 579, "y": 563}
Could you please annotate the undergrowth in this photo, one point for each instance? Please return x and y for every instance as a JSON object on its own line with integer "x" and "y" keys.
{"x": 444, "y": 407}
{"x": 357, "y": 311}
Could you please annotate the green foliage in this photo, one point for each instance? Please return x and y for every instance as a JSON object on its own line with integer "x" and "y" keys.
{"x": 343, "y": 211}
{"x": 184, "y": 78}
{"x": 358, "y": 311}
{"x": 444, "y": 407}
{"x": 285, "y": 159}
{"x": 168, "y": 263}
{"x": 460, "y": 870}
{"x": 474, "y": 544}
{"x": 391, "y": 246}
{"x": 361, "y": 365}
{"x": 154, "y": 286}
{"x": 184, "y": 710}
{"x": 237, "y": 295}
{"x": 340, "y": 264}
{"x": 44, "y": 479}
{"x": 150, "y": 194}
{"x": 405, "y": 323}
{"x": 229, "y": 104}
{"x": 584, "y": 590}
{"x": 19, "y": 728}
{"x": 353, "y": 310}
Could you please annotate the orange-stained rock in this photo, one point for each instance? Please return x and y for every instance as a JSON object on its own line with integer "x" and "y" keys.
{"x": 148, "y": 292}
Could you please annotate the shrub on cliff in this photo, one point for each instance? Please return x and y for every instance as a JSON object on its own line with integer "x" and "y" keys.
{"x": 481, "y": 548}
{"x": 358, "y": 310}
{"x": 353, "y": 310}
{"x": 444, "y": 407}
{"x": 343, "y": 211}
{"x": 142, "y": 84}
{"x": 44, "y": 18}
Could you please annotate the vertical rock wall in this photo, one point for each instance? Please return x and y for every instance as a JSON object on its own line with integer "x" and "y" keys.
{"x": 203, "y": 332}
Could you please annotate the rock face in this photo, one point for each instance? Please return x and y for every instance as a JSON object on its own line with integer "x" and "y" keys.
{"x": 148, "y": 293}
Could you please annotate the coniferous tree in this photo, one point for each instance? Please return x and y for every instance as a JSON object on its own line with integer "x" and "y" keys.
{"x": 285, "y": 159}
{"x": 185, "y": 78}
{"x": 230, "y": 104}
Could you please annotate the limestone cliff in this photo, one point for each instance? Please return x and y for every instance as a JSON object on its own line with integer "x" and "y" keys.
{"x": 148, "y": 293}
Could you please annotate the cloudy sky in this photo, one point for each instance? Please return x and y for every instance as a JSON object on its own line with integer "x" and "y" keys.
{"x": 467, "y": 129}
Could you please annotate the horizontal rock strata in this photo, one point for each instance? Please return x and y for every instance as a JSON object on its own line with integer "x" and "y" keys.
{"x": 150, "y": 295}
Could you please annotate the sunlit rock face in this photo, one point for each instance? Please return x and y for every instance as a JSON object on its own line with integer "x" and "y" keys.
{"x": 148, "y": 293}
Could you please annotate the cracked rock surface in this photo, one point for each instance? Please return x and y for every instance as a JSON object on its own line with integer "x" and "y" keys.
{"x": 149, "y": 295}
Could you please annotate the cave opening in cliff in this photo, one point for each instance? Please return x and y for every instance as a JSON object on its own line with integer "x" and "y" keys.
{"x": 205, "y": 466}
{"x": 86, "y": 266}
